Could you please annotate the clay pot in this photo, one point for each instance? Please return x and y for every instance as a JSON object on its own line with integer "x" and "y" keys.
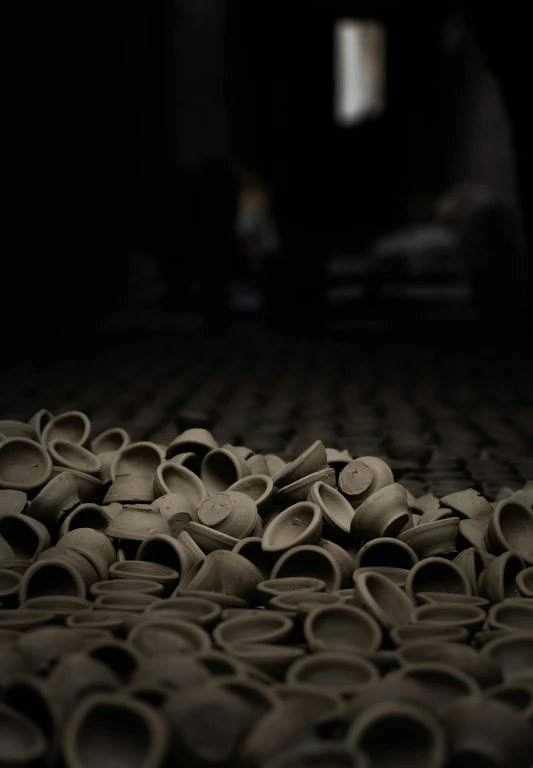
{"x": 219, "y": 664}
{"x": 170, "y": 671}
{"x": 408, "y": 633}
{"x": 524, "y": 582}
{"x": 519, "y": 697}
{"x": 209, "y": 539}
{"x": 12, "y": 502}
{"x": 21, "y": 742}
{"x": 341, "y": 628}
{"x": 482, "y": 669}
{"x": 313, "y": 459}
{"x": 232, "y": 513}
{"x": 498, "y": 581}
{"x": 72, "y": 426}
{"x": 337, "y": 512}
{"x": 442, "y": 683}
{"x": 341, "y": 673}
{"x": 320, "y": 705}
{"x": 433, "y": 539}
{"x": 26, "y": 537}
{"x": 207, "y": 726}
{"x": 221, "y": 469}
{"x": 398, "y": 576}
{"x": 22, "y": 620}
{"x": 111, "y": 440}
{"x": 487, "y": 732}
{"x": 181, "y": 554}
{"x": 140, "y": 569}
{"x": 384, "y": 513}
{"x": 259, "y": 488}
{"x": 137, "y": 523}
{"x": 441, "y": 513}
{"x": 385, "y": 552}
{"x": 60, "y": 606}
{"x": 468, "y": 503}
{"x": 109, "y": 621}
{"x": 225, "y": 572}
{"x": 472, "y": 565}
{"x": 77, "y": 676}
{"x": 472, "y": 531}
{"x": 301, "y": 602}
{"x": 264, "y": 627}
{"x": 363, "y": 477}
{"x": 513, "y": 652}
{"x": 132, "y": 602}
{"x": 344, "y": 559}
{"x": 39, "y": 421}
{"x": 121, "y": 657}
{"x": 512, "y": 614}
{"x": 200, "y": 611}
{"x": 145, "y": 586}
{"x": 300, "y": 489}
{"x": 90, "y": 540}
{"x": 24, "y": 464}
{"x": 73, "y": 456}
{"x": 62, "y": 494}
{"x": 456, "y": 614}
{"x": 172, "y": 504}
{"x": 398, "y": 733}
{"x": 299, "y": 524}
{"x": 171, "y": 478}
{"x": 310, "y": 561}
{"x": 130, "y": 489}
{"x": 435, "y": 574}
{"x": 115, "y": 730}
{"x": 158, "y": 633}
{"x": 274, "y": 464}
{"x": 137, "y": 459}
{"x": 423, "y": 598}
{"x": 11, "y": 428}
{"x": 188, "y": 460}
{"x": 389, "y": 689}
{"x": 92, "y": 516}
{"x": 382, "y": 599}
{"x": 510, "y": 529}
{"x": 257, "y": 464}
{"x": 274, "y": 587}
{"x": 251, "y": 548}
{"x": 196, "y": 440}
{"x": 52, "y": 577}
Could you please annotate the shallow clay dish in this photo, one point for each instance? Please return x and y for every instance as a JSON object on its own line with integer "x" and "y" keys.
{"x": 510, "y": 528}
{"x": 73, "y": 426}
{"x": 299, "y": 524}
{"x": 111, "y": 440}
{"x": 263, "y": 627}
{"x": 337, "y": 512}
{"x": 383, "y": 599}
{"x": 171, "y": 478}
{"x": 126, "y": 585}
{"x": 442, "y": 682}
{"x": 524, "y": 582}
{"x": 343, "y": 628}
{"x": 313, "y": 459}
{"x": 24, "y": 464}
{"x": 137, "y": 459}
{"x": 21, "y": 741}
{"x": 383, "y": 514}
{"x": 398, "y": 576}
{"x": 259, "y": 488}
{"x": 300, "y": 489}
{"x": 512, "y": 615}
{"x": 220, "y": 469}
{"x": 74, "y": 456}
{"x": 310, "y": 561}
{"x": 364, "y": 476}
{"x": 408, "y": 633}
{"x": 513, "y": 652}
{"x": 433, "y": 539}
{"x": 385, "y": 552}
{"x": 230, "y": 512}
{"x": 435, "y": 574}
{"x": 341, "y": 673}
{"x": 455, "y": 614}
{"x": 499, "y": 580}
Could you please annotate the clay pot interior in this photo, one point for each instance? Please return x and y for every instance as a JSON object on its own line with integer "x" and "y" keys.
{"x": 340, "y": 673}
{"x": 309, "y": 561}
{"x": 383, "y": 599}
{"x": 72, "y": 426}
{"x": 138, "y": 459}
{"x": 341, "y": 627}
{"x": 296, "y": 525}
{"x": 220, "y": 469}
{"x": 385, "y": 552}
{"x": 259, "y": 488}
{"x": 524, "y": 582}
{"x": 173, "y": 478}
{"x": 110, "y": 440}
{"x": 24, "y": 464}
{"x": 25, "y": 537}
{"x": 73, "y": 456}
{"x": 383, "y": 514}
{"x": 435, "y": 574}
{"x": 511, "y": 528}
{"x": 231, "y": 512}
{"x": 21, "y": 741}
{"x": 442, "y": 683}
{"x": 337, "y": 511}
{"x": 512, "y": 615}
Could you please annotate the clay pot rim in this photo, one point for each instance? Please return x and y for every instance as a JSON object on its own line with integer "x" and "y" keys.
{"x": 6, "y": 592}
{"x": 157, "y": 732}
{"x": 103, "y": 435}
{"x": 456, "y": 634}
{"x": 429, "y": 561}
{"x": 443, "y": 668}
{"x": 226, "y": 601}
{"x": 222, "y": 538}
{"x": 293, "y": 551}
{"x": 162, "y": 573}
{"x": 35, "y": 745}
{"x": 36, "y": 421}
{"x": 51, "y": 562}
{"x": 350, "y": 611}
{"x": 303, "y": 482}
{"x": 266, "y": 587}
{"x": 62, "y": 416}
{"x": 46, "y": 473}
{"x": 137, "y": 585}
{"x": 60, "y": 461}
{"x": 311, "y": 530}
{"x": 211, "y": 612}
{"x": 272, "y": 635}
{"x": 115, "y": 465}
{"x": 495, "y": 525}
{"x": 495, "y": 623}
{"x": 524, "y": 590}
{"x": 81, "y": 602}
{"x": 280, "y": 602}
{"x": 336, "y": 658}
{"x": 177, "y": 626}
{"x": 208, "y": 443}
{"x": 315, "y": 495}
{"x": 184, "y": 473}
{"x": 508, "y": 639}
{"x": 477, "y": 614}
{"x": 447, "y": 597}
{"x": 265, "y": 652}
{"x": 118, "y": 604}
{"x": 107, "y": 618}
{"x": 267, "y": 493}
{"x": 447, "y": 522}
{"x": 368, "y": 545}
{"x": 360, "y": 581}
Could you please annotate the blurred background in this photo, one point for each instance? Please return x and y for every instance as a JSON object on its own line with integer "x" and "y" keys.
{"x": 331, "y": 167}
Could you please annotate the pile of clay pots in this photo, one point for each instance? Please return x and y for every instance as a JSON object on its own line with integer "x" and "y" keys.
{"x": 206, "y": 605}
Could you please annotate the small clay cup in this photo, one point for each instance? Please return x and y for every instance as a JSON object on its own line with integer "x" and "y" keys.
{"x": 73, "y": 456}
{"x": 111, "y": 440}
{"x": 274, "y": 464}
{"x": 21, "y": 620}
{"x": 382, "y": 599}
{"x": 52, "y": 577}
{"x": 299, "y": 490}
{"x": 39, "y": 421}
{"x": 383, "y": 514}
{"x": 512, "y": 615}
{"x": 408, "y": 633}
{"x": 9, "y": 587}
{"x": 76, "y": 676}
{"x": 24, "y": 465}
{"x": 442, "y": 683}
{"x": 389, "y": 689}
{"x": 297, "y": 525}
{"x": 498, "y": 581}
{"x": 26, "y": 537}
{"x": 257, "y": 464}
{"x": 131, "y": 602}
{"x": 468, "y": 503}
{"x": 12, "y": 502}
{"x": 259, "y": 488}
{"x": 272, "y": 734}
{"x": 22, "y": 743}
{"x": 172, "y": 504}
{"x": 263, "y": 627}
{"x": 121, "y": 657}
{"x": 220, "y": 469}
{"x": 275, "y": 587}
{"x": 510, "y": 528}
{"x": 200, "y": 611}
{"x": 130, "y": 489}
{"x": 337, "y": 512}
{"x": 310, "y": 561}
{"x": 144, "y": 586}
{"x": 93, "y": 516}
{"x": 109, "y": 723}
{"x": 455, "y": 614}
{"x": 385, "y": 552}
{"x": 482, "y": 731}
{"x": 313, "y": 459}
{"x": 435, "y": 574}
{"x": 433, "y": 539}
{"x": 137, "y": 523}
{"x": 209, "y": 539}
{"x": 62, "y": 494}
{"x": 346, "y": 674}
{"x": 342, "y": 628}
{"x": 160, "y": 632}
{"x": 251, "y": 548}
{"x": 398, "y": 733}
{"x": 91, "y": 541}
{"x": 96, "y": 619}
{"x": 196, "y": 440}
{"x": 171, "y": 478}
{"x": 141, "y": 569}
{"x": 472, "y": 565}
{"x": 138, "y": 459}
{"x": 73, "y": 426}
{"x": 230, "y": 512}
{"x": 60, "y": 606}
{"x": 225, "y": 572}
{"x": 484, "y": 670}
{"x": 363, "y": 477}
{"x": 524, "y": 582}
{"x": 398, "y": 576}
{"x": 513, "y": 652}
{"x": 344, "y": 559}
{"x": 423, "y": 598}
{"x": 181, "y": 554}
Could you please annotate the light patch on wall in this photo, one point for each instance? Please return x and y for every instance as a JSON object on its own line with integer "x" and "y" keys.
{"x": 359, "y": 71}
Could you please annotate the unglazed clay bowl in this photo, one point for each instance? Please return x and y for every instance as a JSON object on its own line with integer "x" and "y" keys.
{"x": 209, "y": 539}
{"x": 26, "y": 537}
{"x": 299, "y": 524}
{"x": 259, "y": 488}
{"x": 456, "y": 614}
{"x": 468, "y": 503}
{"x": 158, "y": 634}
{"x": 472, "y": 565}
{"x": 51, "y": 577}
{"x": 230, "y": 512}
{"x": 12, "y": 502}
{"x": 22, "y": 743}
{"x": 251, "y": 548}
{"x": 24, "y": 464}
{"x": 382, "y": 599}
{"x": 138, "y": 459}
{"x": 74, "y": 456}
{"x": 363, "y": 477}
{"x": 313, "y": 459}
{"x": 385, "y": 552}
{"x": 200, "y": 611}
{"x": 302, "y": 602}
{"x": 435, "y": 574}
{"x": 274, "y": 587}
{"x": 499, "y": 580}
{"x": 383, "y": 514}
{"x": 197, "y": 440}
{"x": 433, "y": 539}
{"x": 510, "y": 528}
{"x": 140, "y": 569}
{"x": 93, "y": 516}
{"x": 299, "y": 490}
{"x": 91, "y": 540}
{"x": 341, "y": 673}
{"x": 264, "y": 627}
{"x": 180, "y": 554}
{"x": 398, "y": 576}
{"x": 337, "y": 512}
{"x": 310, "y": 561}
{"x": 424, "y": 598}
{"x": 512, "y": 614}
{"x": 524, "y": 582}
{"x": 484, "y": 670}
{"x": 73, "y": 426}
{"x": 62, "y": 494}
{"x": 126, "y": 585}
{"x": 224, "y": 572}
{"x": 111, "y": 440}
{"x": 171, "y": 478}
{"x": 513, "y": 652}
{"x": 137, "y": 523}
{"x": 220, "y": 469}
{"x": 342, "y": 628}
{"x": 408, "y": 633}
{"x": 323, "y": 706}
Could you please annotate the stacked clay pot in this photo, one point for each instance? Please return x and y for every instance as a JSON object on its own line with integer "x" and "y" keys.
{"x": 209, "y": 605}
